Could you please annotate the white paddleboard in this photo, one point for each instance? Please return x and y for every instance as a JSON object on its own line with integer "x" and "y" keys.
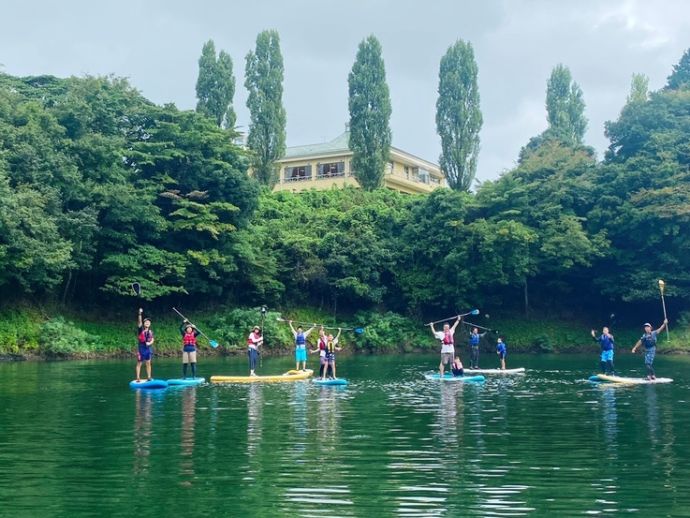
{"x": 519, "y": 370}
{"x": 630, "y": 381}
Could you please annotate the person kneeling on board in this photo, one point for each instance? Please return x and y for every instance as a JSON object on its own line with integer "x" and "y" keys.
{"x": 501, "y": 351}
{"x": 189, "y": 334}
{"x": 649, "y": 341}
{"x": 456, "y": 367}
{"x": 254, "y": 341}
{"x": 606, "y": 342}
{"x": 145, "y": 347}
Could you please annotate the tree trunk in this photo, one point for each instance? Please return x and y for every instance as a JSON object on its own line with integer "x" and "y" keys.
{"x": 526, "y": 293}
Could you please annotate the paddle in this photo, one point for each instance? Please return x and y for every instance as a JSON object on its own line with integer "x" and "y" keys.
{"x": 212, "y": 343}
{"x": 136, "y": 288}
{"x": 470, "y": 324}
{"x": 357, "y": 330}
{"x": 662, "y": 285}
{"x": 473, "y": 312}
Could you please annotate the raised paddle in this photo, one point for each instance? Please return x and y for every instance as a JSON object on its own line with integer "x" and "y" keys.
{"x": 473, "y": 312}
{"x": 212, "y": 343}
{"x": 357, "y": 330}
{"x": 470, "y": 324}
{"x": 662, "y": 285}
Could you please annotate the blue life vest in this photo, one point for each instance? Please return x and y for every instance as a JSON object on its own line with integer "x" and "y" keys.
{"x": 606, "y": 343}
{"x": 649, "y": 340}
{"x": 300, "y": 340}
{"x": 474, "y": 339}
{"x": 501, "y": 348}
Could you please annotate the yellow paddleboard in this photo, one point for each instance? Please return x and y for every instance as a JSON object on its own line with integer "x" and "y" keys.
{"x": 292, "y": 375}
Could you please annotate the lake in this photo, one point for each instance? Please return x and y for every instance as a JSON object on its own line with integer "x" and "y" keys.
{"x": 76, "y": 441}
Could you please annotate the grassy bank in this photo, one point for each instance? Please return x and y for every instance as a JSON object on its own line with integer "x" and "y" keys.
{"x": 31, "y": 331}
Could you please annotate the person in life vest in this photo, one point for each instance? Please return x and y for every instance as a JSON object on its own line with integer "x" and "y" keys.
{"x": 145, "y": 347}
{"x": 456, "y": 367}
{"x": 331, "y": 348}
{"x": 301, "y": 345}
{"x": 321, "y": 349}
{"x": 475, "y": 338}
{"x": 648, "y": 339}
{"x": 501, "y": 351}
{"x": 254, "y": 341}
{"x": 447, "y": 341}
{"x": 189, "y": 333}
{"x": 606, "y": 343}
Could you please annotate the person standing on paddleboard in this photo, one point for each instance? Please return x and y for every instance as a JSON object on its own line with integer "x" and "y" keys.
{"x": 447, "y": 343}
{"x": 649, "y": 341}
{"x": 300, "y": 345}
{"x": 501, "y": 351}
{"x": 331, "y": 348}
{"x": 475, "y": 338}
{"x": 606, "y": 342}
{"x": 189, "y": 333}
{"x": 145, "y": 347}
{"x": 254, "y": 341}
{"x": 321, "y": 349}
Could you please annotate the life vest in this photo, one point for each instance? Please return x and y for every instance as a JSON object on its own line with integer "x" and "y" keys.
{"x": 474, "y": 339}
{"x": 145, "y": 336}
{"x": 330, "y": 347}
{"x": 606, "y": 343}
{"x": 648, "y": 340}
{"x": 447, "y": 338}
{"x": 322, "y": 343}
{"x": 253, "y": 338}
{"x": 189, "y": 339}
{"x": 300, "y": 340}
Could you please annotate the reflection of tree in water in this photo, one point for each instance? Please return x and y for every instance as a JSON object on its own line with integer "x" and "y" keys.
{"x": 255, "y": 409}
{"x": 327, "y": 420}
{"x": 143, "y": 401}
{"x": 187, "y": 435}
{"x": 298, "y": 407}
{"x": 610, "y": 420}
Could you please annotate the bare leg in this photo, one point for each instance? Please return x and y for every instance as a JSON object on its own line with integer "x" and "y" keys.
{"x": 138, "y": 371}
{"x": 333, "y": 365}
{"x": 148, "y": 369}
{"x": 440, "y": 369}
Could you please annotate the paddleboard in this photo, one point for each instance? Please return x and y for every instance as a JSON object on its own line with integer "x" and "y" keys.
{"x": 630, "y": 381}
{"x": 336, "y": 381}
{"x": 519, "y": 370}
{"x": 450, "y": 377}
{"x": 186, "y": 381}
{"x": 292, "y": 375}
{"x": 148, "y": 384}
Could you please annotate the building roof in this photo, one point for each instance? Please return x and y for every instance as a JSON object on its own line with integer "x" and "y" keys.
{"x": 339, "y": 144}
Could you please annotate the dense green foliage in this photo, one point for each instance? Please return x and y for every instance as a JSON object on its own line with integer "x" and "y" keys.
{"x": 215, "y": 86}
{"x": 102, "y": 188}
{"x": 458, "y": 115}
{"x": 370, "y": 112}
{"x": 264, "y": 82}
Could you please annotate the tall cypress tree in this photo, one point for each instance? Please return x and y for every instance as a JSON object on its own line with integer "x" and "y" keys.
{"x": 370, "y": 113}
{"x": 639, "y": 89}
{"x": 264, "y": 81}
{"x": 565, "y": 107}
{"x": 680, "y": 77}
{"x": 458, "y": 116}
{"x": 215, "y": 86}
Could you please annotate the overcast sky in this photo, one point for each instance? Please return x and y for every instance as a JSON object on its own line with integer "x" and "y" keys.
{"x": 156, "y": 44}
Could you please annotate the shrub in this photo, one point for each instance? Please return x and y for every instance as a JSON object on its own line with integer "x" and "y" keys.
{"x": 62, "y": 338}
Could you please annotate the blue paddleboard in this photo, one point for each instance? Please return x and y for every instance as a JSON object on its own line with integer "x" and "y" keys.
{"x": 449, "y": 377}
{"x": 336, "y": 381}
{"x": 186, "y": 381}
{"x": 148, "y": 384}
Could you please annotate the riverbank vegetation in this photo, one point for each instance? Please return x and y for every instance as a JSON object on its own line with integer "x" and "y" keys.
{"x": 102, "y": 188}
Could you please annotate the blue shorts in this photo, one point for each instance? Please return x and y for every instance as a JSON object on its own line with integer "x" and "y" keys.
{"x": 144, "y": 353}
{"x": 607, "y": 356}
{"x": 501, "y": 355}
{"x": 649, "y": 355}
{"x": 300, "y": 355}
{"x": 330, "y": 357}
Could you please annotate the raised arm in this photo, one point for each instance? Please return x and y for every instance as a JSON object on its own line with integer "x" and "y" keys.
{"x": 663, "y": 326}
{"x": 433, "y": 331}
{"x": 456, "y": 324}
{"x": 140, "y": 322}
{"x": 292, "y": 328}
{"x": 306, "y": 333}
{"x": 636, "y": 346}
{"x": 594, "y": 335}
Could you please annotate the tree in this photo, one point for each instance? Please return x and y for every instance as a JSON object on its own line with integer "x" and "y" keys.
{"x": 458, "y": 116}
{"x": 215, "y": 86}
{"x": 370, "y": 112}
{"x": 680, "y": 77}
{"x": 565, "y": 107}
{"x": 639, "y": 89}
{"x": 264, "y": 81}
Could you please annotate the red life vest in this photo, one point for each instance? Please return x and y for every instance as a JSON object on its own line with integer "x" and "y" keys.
{"x": 447, "y": 338}
{"x": 322, "y": 343}
{"x": 189, "y": 339}
{"x": 145, "y": 336}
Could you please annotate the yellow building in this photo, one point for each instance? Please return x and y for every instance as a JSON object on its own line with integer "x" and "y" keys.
{"x": 321, "y": 166}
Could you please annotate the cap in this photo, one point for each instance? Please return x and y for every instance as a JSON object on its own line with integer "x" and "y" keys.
{"x": 256, "y": 328}
{"x": 647, "y": 324}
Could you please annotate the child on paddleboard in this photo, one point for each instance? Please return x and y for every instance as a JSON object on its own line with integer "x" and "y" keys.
{"x": 254, "y": 341}
{"x": 331, "y": 347}
{"x": 649, "y": 341}
{"x": 475, "y": 338}
{"x": 501, "y": 351}
{"x": 447, "y": 341}
{"x": 189, "y": 334}
{"x": 145, "y": 347}
{"x": 606, "y": 342}
{"x": 321, "y": 349}
{"x": 300, "y": 344}
{"x": 456, "y": 367}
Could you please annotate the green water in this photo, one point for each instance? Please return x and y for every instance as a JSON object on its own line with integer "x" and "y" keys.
{"x": 76, "y": 441}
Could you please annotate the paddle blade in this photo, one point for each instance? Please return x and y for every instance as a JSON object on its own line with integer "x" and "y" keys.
{"x": 213, "y": 343}
{"x": 359, "y": 330}
{"x": 136, "y": 288}
{"x": 474, "y": 312}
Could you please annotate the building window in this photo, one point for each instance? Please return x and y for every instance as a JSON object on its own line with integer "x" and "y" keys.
{"x": 298, "y": 173}
{"x": 407, "y": 172}
{"x": 331, "y": 169}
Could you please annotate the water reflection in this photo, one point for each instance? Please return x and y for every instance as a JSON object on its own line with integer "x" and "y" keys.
{"x": 143, "y": 414}
{"x": 187, "y": 439}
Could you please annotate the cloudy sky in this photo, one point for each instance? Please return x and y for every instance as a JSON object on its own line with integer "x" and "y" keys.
{"x": 156, "y": 44}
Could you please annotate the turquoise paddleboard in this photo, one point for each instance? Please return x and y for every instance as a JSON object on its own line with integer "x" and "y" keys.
{"x": 148, "y": 384}
{"x": 336, "y": 381}
{"x": 451, "y": 378}
{"x": 186, "y": 381}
